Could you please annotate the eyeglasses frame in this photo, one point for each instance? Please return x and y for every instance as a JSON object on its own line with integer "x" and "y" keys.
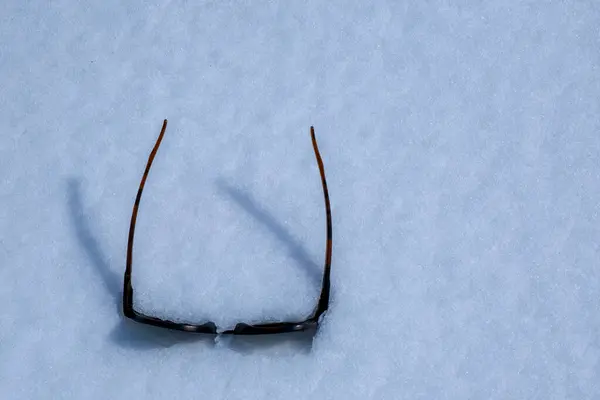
{"x": 241, "y": 328}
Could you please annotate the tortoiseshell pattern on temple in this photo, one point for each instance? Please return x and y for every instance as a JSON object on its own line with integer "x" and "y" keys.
{"x": 241, "y": 328}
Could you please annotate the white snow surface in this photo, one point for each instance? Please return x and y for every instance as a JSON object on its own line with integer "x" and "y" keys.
{"x": 461, "y": 142}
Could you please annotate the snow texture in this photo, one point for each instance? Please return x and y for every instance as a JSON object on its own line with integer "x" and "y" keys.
{"x": 461, "y": 142}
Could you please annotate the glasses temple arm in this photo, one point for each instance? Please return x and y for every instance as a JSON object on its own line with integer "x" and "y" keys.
{"x": 127, "y": 288}
{"x": 323, "y": 303}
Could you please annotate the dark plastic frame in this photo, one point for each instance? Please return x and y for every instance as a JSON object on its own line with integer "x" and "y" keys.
{"x": 241, "y": 328}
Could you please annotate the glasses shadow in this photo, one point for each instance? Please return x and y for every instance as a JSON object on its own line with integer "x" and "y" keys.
{"x": 294, "y": 249}
{"x": 291, "y": 343}
{"x": 80, "y": 223}
{"x": 131, "y": 335}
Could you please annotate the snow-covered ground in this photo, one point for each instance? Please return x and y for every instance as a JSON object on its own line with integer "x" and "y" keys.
{"x": 461, "y": 143}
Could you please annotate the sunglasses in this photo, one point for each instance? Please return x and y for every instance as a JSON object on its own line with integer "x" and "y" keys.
{"x": 241, "y": 328}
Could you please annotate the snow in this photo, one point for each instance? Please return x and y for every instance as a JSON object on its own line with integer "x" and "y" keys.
{"x": 461, "y": 144}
